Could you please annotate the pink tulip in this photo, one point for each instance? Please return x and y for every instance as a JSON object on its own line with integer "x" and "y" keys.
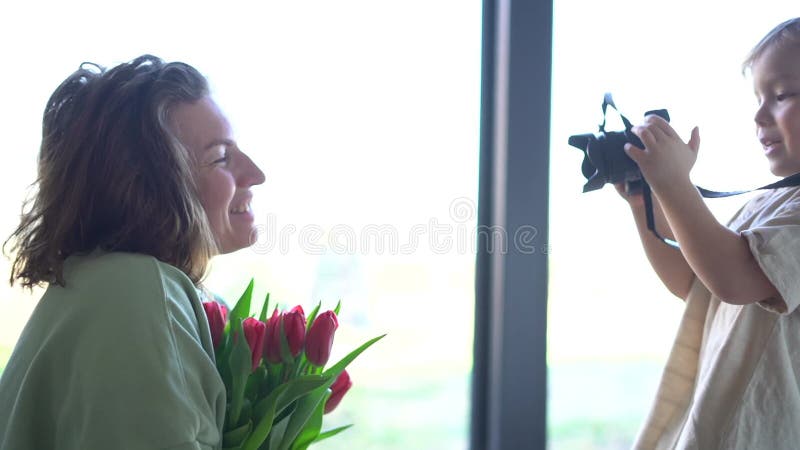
{"x": 294, "y": 325}
{"x": 216, "y": 315}
{"x": 338, "y": 389}
{"x": 320, "y": 338}
{"x": 254, "y": 331}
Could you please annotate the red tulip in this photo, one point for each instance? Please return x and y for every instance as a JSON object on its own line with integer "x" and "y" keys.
{"x": 216, "y": 315}
{"x": 338, "y": 389}
{"x": 294, "y": 325}
{"x": 272, "y": 339}
{"x": 254, "y": 331}
{"x": 320, "y": 338}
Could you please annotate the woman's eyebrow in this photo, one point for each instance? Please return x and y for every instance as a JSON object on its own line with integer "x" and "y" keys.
{"x": 218, "y": 142}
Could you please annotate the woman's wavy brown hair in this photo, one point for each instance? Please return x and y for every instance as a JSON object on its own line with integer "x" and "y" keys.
{"x": 111, "y": 174}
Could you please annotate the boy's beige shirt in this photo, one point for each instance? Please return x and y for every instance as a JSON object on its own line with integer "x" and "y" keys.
{"x": 732, "y": 380}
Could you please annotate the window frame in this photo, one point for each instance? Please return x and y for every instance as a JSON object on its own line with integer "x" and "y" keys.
{"x": 509, "y": 380}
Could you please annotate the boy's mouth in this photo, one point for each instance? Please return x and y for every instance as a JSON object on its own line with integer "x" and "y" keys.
{"x": 769, "y": 144}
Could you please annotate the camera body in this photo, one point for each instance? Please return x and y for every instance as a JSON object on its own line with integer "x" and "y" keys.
{"x": 605, "y": 160}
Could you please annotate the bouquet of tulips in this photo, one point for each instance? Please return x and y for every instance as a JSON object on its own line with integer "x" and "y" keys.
{"x": 274, "y": 373}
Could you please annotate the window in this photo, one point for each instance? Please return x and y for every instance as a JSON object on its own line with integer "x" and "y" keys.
{"x": 364, "y": 116}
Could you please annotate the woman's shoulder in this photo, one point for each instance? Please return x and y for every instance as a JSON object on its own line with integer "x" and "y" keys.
{"x": 115, "y": 293}
{"x": 116, "y": 282}
{"x": 101, "y": 267}
{"x": 116, "y": 269}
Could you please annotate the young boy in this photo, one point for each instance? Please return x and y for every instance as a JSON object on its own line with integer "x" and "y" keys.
{"x": 732, "y": 380}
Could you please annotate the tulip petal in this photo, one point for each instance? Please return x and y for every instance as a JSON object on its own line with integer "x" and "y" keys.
{"x": 216, "y": 321}
{"x": 272, "y": 339}
{"x": 254, "y": 331}
{"x": 319, "y": 340}
{"x": 338, "y": 389}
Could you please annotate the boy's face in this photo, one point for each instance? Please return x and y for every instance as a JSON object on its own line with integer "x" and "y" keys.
{"x": 776, "y": 80}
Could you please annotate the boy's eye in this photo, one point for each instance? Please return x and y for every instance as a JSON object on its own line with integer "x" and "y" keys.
{"x": 783, "y": 96}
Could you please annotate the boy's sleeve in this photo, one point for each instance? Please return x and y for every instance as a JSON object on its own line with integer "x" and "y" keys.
{"x": 775, "y": 244}
{"x": 143, "y": 379}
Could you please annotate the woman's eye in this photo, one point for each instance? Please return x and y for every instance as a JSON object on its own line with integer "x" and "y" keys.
{"x": 222, "y": 157}
{"x": 783, "y": 96}
{"x": 223, "y": 160}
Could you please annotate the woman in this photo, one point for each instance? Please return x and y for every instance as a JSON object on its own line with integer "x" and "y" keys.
{"x": 140, "y": 183}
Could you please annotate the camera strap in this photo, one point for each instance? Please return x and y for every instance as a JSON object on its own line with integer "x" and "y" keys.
{"x": 608, "y": 100}
{"x": 790, "y": 181}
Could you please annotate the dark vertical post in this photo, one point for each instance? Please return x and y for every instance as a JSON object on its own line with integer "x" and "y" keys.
{"x": 509, "y": 409}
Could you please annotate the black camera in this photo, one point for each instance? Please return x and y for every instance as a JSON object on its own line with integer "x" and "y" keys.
{"x": 604, "y": 158}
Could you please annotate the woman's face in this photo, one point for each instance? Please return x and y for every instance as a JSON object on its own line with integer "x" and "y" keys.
{"x": 224, "y": 172}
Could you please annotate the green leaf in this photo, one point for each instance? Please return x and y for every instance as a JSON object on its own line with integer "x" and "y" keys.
{"x": 338, "y": 307}
{"x": 254, "y": 382}
{"x": 312, "y": 316}
{"x": 280, "y": 398}
{"x": 235, "y": 437}
{"x": 266, "y": 410}
{"x": 311, "y": 430}
{"x": 242, "y": 308}
{"x": 300, "y": 364}
{"x": 247, "y": 412}
{"x": 299, "y": 387}
{"x": 274, "y": 377}
{"x": 288, "y": 411}
{"x": 223, "y": 362}
{"x": 241, "y": 365}
{"x": 301, "y": 415}
{"x": 331, "y": 433}
{"x": 337, "y": 368}
{"x": 265, "y": 310}
{"x": 277, "y": 434}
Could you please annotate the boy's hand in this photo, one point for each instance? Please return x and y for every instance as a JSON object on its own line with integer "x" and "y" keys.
{"x": 666, "y": 159}
{"x": 635, "y": 199}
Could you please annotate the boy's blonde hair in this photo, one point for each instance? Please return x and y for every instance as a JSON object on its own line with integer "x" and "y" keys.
{"x": 787, "y": 33}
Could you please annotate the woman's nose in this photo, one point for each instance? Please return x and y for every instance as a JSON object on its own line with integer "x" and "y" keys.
{"x": 250, "y": 174}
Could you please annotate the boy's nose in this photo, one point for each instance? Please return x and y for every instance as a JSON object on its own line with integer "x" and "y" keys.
{"x": 762, "y": 116}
